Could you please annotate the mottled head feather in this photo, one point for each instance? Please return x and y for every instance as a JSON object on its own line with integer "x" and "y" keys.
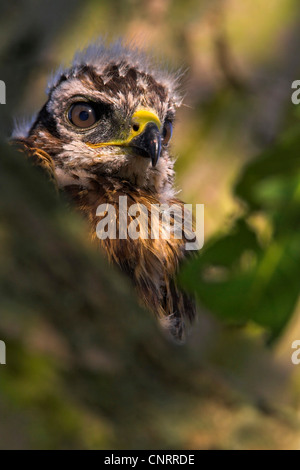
{"x": 123, "y": 77}
{"x": 99, "y": 55}
{"x": 22, "y": 126}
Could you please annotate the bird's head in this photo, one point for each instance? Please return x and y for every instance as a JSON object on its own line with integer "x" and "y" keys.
{"x": 111, "y": 113}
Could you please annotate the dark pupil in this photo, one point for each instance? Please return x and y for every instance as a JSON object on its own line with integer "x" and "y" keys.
{"x": 84, "y": 115}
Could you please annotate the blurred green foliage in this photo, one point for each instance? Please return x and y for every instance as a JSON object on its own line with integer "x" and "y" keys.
{"x": 244, "y": 275}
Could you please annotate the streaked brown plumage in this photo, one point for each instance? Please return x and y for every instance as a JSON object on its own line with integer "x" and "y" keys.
{"x": 131, "y": 107}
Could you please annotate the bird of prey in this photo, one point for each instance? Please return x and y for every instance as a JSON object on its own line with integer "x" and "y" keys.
{"x": 103, "y": 133}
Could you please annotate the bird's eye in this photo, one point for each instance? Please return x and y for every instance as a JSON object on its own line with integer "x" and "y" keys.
{"x": 82, "y": 115}
{"x": 167, "y": 132}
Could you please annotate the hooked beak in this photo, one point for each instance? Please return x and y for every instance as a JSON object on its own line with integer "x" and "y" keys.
{"x": 148, "y": 143}
{"x": 144, "y": 136}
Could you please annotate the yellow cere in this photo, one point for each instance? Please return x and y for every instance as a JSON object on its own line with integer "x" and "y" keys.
{"x": 140, "y": 118}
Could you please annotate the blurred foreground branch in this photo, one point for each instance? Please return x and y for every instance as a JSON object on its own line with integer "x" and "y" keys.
{"x": 86, "y": 367}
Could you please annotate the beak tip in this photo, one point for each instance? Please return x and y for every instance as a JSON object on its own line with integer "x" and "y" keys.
{"x": 150, "y": 143}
